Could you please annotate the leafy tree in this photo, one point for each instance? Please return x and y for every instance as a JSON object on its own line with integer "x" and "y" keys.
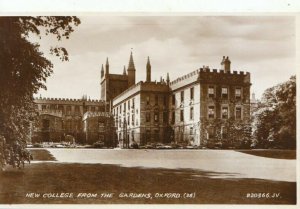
{"x": 274, "y": 122}
{"x": 24, "y": 68}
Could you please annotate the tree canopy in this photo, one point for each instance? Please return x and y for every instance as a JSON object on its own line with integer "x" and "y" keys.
{"x": 274, "y": 122}
{"x": 24, "y": 68}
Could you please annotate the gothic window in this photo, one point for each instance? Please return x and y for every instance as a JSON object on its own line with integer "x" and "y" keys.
{"x": 43, "y": 107}
{"x": 124, "y": 106}
{"x": 211, "y": 92}
{"x": 148, "y": 100}
{"x": 211, "y": 112}
{"x": 128, "y": 104}
{"x": 128, "y": 120}
{"x": 192, "y": 93}
{"x": 120, "y": 108}
{"x": 224, "y": 93}
{"x": 224, "y": 112}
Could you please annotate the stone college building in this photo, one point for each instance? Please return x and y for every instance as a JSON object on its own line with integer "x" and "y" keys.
{"x": 206, "y": 107}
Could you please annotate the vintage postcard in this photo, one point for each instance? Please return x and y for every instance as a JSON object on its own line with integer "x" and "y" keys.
{"x": 159, "y": 109}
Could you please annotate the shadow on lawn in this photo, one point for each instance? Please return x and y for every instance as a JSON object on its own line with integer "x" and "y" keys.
{"x": 209, "y": 187}
{"x": 269, "y": 153}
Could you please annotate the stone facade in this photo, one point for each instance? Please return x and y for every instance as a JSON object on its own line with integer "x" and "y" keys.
{"x": 141, "y": 114}
{"x": 114, "y": 84}
{"x": 99, "y": 126}
{"x": 205, "y": 107}
{"x": 58, "y": 118}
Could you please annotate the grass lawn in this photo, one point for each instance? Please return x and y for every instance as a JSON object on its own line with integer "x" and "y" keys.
{"x": 278, "y": 154}
{"x": 86, "y": 178}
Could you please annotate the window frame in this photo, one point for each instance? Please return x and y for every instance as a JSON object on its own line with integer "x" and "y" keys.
{"x": 235, "y": 93}
{"x": 222, "y": 107}
{"x": 192, "y": 93}
{"x": 209, "y": 95}
{"x": 222, "y": 94}
{"x": 208, "y": 112}
{"x": 191, "y": 113}
{"x": 181, "y": 115}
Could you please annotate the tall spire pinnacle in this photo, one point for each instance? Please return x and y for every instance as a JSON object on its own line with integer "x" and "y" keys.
{"x": 148, "y": 62}
{"x": 124, "y": 70}
{"x": 131, "y": 63}
{"x": 107, "y": 66}
{"x": 168, "y": 79}
{"x": 148, "y": 71}
{"x": 102, "y": 71}
{"x": 131, "y": 71}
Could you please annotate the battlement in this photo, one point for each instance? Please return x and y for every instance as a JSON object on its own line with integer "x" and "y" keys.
{"x": 215, "y": 71}
{"x": 182, "y": 78}
{"x": 206, "y": 71}
{"x": 66, "y": 100}
{"x": 141, "y": 86}
{"x": 90, "y": 114}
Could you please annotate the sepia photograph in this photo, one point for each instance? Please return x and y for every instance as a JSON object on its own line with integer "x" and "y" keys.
{"x": 148, "y": 109}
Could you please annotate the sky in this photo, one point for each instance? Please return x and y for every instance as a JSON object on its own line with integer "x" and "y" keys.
{"x": 261, "y": 45}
